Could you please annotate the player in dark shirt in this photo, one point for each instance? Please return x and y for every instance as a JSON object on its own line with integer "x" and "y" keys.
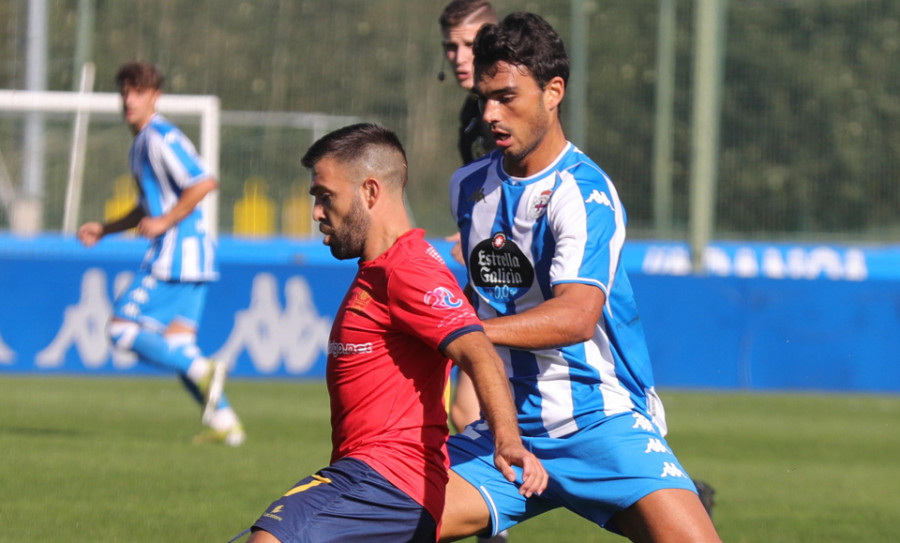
{"x": 460, "y": 22}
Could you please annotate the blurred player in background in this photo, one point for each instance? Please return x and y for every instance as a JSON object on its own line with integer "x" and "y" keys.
{"x": 460, "y": 22}
{"x": 542, "y": 229}
{"x": 157, "y": 316}
{"x": 402, "y": 320}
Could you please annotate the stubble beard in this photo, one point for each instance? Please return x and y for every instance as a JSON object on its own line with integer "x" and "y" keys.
{"x": 350, "y": 239}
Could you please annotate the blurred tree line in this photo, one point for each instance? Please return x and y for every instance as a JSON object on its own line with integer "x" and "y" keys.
{"x": 810, "y": 137}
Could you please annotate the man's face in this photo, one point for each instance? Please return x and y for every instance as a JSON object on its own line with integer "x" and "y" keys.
{"x": 339, "y": 209}
{"x": 458, "y": 50}
{"x": 138, "y": 105}
{"x": 515, "y": 108}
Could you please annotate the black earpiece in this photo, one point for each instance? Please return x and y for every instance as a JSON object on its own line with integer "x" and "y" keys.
{"x": 441, "y": 75}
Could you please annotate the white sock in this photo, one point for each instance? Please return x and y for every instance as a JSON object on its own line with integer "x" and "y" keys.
{"x": 198, "y": 369}
{"x": 223, "y": 419}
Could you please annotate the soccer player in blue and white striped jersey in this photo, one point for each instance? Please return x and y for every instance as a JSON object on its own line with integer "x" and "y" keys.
{"x": 542, "y": 230}
{"x": 157, "y": 316}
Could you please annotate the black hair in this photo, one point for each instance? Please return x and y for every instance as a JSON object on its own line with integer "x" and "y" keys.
{"x": 352, "y": 143}
{"x": 522, "y": 39}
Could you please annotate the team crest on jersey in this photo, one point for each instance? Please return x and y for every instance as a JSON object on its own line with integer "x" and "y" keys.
{"x": 442, "y": 298}
{"x": 359, "y": 300}
{"x": 539, "y": 204}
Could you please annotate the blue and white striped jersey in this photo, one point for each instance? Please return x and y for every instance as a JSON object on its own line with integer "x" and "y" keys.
{"x": 522, "y": 236}
{"x": 165, "y": 163}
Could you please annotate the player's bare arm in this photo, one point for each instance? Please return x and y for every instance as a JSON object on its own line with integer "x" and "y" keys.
{"x": 475, "y": 355}
{"x": 568, "y": 318}
{"x": 90, "y": 233}
{"x": 151, "y": 227}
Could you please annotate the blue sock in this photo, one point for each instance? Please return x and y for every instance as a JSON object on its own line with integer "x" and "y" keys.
{"x": 151, "y": 347}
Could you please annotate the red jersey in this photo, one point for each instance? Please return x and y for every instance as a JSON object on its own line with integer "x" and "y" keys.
{"x": 386, "y": 372}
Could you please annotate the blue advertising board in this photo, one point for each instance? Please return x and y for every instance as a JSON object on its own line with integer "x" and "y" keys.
{"x": 761, "y": 316}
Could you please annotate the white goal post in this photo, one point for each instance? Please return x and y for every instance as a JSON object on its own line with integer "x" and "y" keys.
{"x": 206, "y": 107}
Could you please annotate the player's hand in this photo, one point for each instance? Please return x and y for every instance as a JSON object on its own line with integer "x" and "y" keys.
{"x": 456, "y": 250}
{"x": 534, "y": 476}
{"x": 90, "y": 233}
{"x": 152, "y": 227}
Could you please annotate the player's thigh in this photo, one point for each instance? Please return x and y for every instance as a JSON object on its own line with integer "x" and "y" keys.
{"x": 347, "y": 501}
{"x": 608, "y": 467}
{"x": 156, "y": 303}
{"x": 465, "y": 408}
{"x": 465, "y": 511}
{"x": 667, "y": 516}
{"x": 479, "y": 498}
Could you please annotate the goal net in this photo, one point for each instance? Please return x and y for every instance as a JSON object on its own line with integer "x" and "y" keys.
{"x": 61, "y": 152}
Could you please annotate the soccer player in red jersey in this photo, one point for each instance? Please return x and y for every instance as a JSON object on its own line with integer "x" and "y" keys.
{"x": 402, "y": 321}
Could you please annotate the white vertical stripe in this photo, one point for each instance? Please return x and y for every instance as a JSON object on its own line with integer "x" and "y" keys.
{"x": 618, "y": 238}
{"x": 557, "y": 403}
{"x": 178, "y": 172}
{"x": 495, "y": 520}
{"x": 598, "y": 355}
{"x": 209, "y": 256}
{"x": 568, "y": 214}
{"x": 162, "y": 267}
{"x": 190, "y": 258}
{"x": 158, "y": 160}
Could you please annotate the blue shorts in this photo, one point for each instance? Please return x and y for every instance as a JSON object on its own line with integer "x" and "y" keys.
{"x": 347, "y": 501}
{"x": 155, "y": 303}
{"x": 595, "y": 472}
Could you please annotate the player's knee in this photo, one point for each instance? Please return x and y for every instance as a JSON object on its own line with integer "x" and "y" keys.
{"x": 185, "y": 343}
{"x": 122, "y": 334}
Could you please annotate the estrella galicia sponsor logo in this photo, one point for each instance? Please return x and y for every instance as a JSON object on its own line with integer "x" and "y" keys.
{"x": 336, "y": 348}
{"x": 442, "y": 298}
{"x": 500, "y": 269}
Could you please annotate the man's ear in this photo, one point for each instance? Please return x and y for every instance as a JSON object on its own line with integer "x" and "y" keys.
{"x": 554, "y": 91}
{"x": 371, "y": 191}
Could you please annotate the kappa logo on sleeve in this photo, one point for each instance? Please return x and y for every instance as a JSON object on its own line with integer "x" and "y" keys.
{"x": 671, "y": 470}
{"x": 654, "y": 445}
{"x": 598, "y": 197}
{"x": 442, "y": 298}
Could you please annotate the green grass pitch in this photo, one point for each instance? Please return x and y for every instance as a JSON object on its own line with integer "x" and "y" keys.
{"x": 111, "y": 459}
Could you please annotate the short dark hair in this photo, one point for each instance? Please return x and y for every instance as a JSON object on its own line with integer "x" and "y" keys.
{"x": 457, "y": 11}
{"x": 142, "y": 75}
{"x": 351, "y": 143}
{"x": 522, "y": 39}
